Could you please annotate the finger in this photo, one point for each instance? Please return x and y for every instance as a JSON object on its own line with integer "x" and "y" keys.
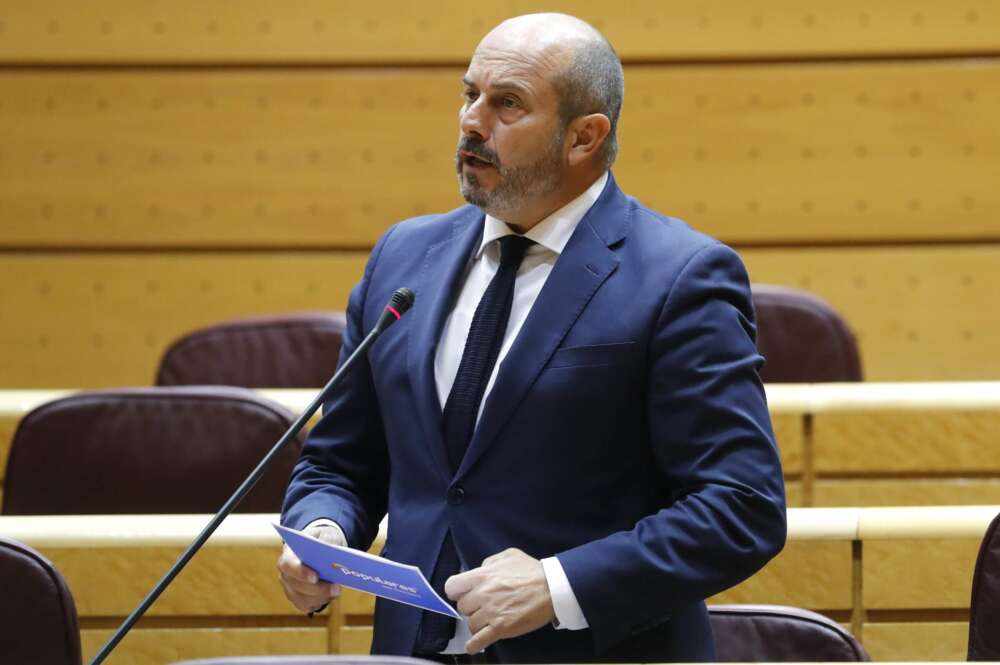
{"x": 291, "y": 567}
{"x": 458, "y": 585}
{"x": 478, "y": 620}
{"x": 481, "y": 640}
{"x": 301, "y": 602}
{"x": 319, "y": 590}
{"x": 328, "y": 534}
{"x": 469, "y": 603}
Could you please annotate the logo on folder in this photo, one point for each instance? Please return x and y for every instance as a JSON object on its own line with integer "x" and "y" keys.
{"x": 386, "y": 584}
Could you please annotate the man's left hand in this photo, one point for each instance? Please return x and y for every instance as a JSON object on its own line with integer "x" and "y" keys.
{"x": 505, "y": 597}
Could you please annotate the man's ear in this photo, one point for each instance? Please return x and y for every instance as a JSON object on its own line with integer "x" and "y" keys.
{"x": 587, "y": 134}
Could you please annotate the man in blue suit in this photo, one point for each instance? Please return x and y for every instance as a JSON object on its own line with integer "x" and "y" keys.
{"x": 568, "y": 430}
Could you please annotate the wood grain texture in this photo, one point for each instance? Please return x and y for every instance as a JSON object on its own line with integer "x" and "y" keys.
{"x": 793, "y": 494}
{"x": 355, "y": 639}
{"x": 789, "y": 434}
{"x": 916, "y": 641}
{"x": 218, "y": 582}
{"x": 315, "y": 157}
{"x": 918, "y": 574}
{"x": 356, "y": 603}
{"x": 942, "y": 441}
{"x": 909, "y": 491}
{"x": 156, "y": 646}
{"x": 791, "y": 578}
{"x": 384, "y": 31}
{"x": 886, "y": 295}
{"x": 101, "y": 320}
{"x": 7, "y": 427}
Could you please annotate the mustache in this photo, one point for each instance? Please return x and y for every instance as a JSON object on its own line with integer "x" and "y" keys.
{"x": 478, "y": 148}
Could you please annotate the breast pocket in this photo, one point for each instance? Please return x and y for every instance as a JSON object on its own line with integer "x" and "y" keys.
{"x": 596, "y": 355}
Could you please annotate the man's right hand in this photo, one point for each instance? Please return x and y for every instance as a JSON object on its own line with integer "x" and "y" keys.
{"x": 301, "y": 584}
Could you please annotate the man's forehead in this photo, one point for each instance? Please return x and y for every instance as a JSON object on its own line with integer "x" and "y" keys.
{"x": 498, "y": 66}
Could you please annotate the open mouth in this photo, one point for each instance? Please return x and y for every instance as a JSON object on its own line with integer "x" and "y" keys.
{"x": 475, "y": 162}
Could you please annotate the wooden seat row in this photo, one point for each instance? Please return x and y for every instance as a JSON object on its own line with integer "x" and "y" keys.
{"x": 898, "y": 577}
{"x": 867, "y": 444}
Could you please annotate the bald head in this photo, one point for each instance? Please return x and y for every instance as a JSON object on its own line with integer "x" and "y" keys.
{"x": 577, "y": 60}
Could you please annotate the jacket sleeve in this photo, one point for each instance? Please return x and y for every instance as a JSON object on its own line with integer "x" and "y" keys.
{"x": 711, "y": 437}
{"x": 343, "y": 471}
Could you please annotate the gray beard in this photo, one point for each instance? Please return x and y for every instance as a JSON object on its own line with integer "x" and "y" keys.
{"x": 517, "y": 183}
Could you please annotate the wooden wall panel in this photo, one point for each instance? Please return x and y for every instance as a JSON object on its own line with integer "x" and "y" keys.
{"x": 356, "y": 603}
{"x": 918, "y": 574}
{"x": 789, "y": 433}
{"x": 151, "y": 646}
{"x": 380, "y": 31}
{"x": 97, "y": 320}
{"x": 917, "y": 641}
{"x": 355, "y": 640}
{"x": 794, "y": 496}
{"x": 906, "y": 491}
{"x": 223, "y": 158}
{"x": 920, "y": 313}
{"x": 951, "y": 441}
{"x": 103, "y": 319}
{"x": 791, "y": 578}
{"x": 111, "y": 582}
{"x": 316, "y": 157}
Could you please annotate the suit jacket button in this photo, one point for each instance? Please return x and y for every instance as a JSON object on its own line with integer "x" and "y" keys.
{"x": 456, "y": 495}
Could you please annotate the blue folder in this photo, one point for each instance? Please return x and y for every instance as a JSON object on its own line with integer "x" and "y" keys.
{"x": 366, "y": 572}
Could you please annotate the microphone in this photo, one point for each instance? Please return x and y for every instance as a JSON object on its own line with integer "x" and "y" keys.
{"x": 402, "y": 299}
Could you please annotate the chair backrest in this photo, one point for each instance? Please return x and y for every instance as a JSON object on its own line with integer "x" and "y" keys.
{"x": 778, "y": 634}
{"x": 802, "y": 338}
{"x": 286, "y": 351}
{"x": 984, "y": 609}
{"x": 37, "y": 613}
{"x": 147, "y": 450}
{"x": 309, "y": 660}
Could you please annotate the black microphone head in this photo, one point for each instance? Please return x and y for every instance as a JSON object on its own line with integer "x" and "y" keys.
{"x": 402, "y": 300}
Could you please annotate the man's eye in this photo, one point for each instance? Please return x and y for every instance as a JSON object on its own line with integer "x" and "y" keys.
{"x": 470, "y": 95}
{"x": 510, "y": 102}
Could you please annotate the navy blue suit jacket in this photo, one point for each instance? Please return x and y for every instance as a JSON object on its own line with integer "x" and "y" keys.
{"x": 627, "y": 433}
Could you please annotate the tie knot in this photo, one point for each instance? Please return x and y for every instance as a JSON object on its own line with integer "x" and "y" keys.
{"x": 512, "y": 249}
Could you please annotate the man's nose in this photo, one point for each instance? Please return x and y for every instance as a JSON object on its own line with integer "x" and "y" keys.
{"x": 473, "y": 120}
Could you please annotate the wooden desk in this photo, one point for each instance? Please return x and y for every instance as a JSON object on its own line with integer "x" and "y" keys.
{"x": 898, "y": 577}
{"x": 856, "y": 444}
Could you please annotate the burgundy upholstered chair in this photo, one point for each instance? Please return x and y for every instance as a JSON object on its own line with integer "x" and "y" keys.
{"x": 984, "y": 610}
{"x": 802, "y": 338}
{"x": 282, "y": 351}
{"x": 37, "y": 615}
{"x": 147, "y": 450}
{"x": 777, "y": 634}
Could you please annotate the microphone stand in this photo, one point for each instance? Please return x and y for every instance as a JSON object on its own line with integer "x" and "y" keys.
{"x": 401, "y": 301}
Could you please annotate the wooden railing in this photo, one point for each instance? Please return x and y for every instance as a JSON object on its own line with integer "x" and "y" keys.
{"x": 898, "y": 577}
{"x": 867, "y": 444}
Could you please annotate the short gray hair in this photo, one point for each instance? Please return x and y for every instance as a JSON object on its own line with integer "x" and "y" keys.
{"x": 593, "y": 83}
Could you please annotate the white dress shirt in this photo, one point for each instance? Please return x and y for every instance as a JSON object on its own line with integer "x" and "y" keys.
{"x": 550, "y": 236}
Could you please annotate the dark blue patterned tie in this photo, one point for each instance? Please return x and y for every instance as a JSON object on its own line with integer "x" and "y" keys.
{"x": 482, "y": 347}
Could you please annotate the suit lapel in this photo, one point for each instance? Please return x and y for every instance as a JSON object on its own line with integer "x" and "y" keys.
{"x": 440, "y": 274}
{"x": 580, "y": 270}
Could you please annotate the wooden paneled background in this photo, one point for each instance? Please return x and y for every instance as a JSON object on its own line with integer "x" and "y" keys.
{"x": 170, "y": 163}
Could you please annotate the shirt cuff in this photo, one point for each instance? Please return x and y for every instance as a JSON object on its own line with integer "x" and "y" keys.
{"x": 569, "y": 616}
{"x": 325, "y": 522}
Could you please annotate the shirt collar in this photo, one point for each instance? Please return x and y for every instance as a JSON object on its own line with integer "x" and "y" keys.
{"x": 554, "y": 231}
